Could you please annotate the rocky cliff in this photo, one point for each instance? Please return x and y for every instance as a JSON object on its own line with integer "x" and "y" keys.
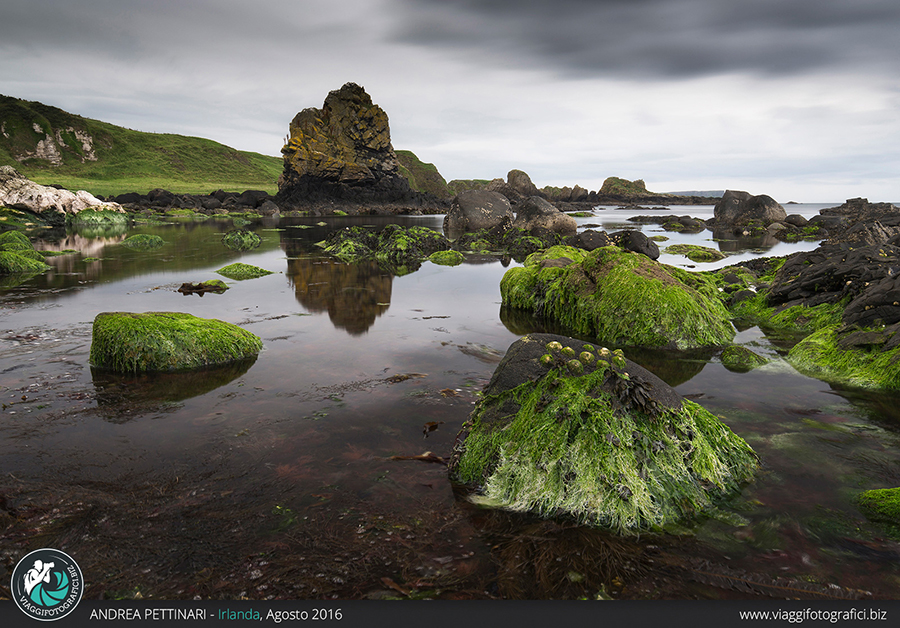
{"x": 342, "y": 153}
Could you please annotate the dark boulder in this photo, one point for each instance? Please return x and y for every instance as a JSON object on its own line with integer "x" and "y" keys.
{"x": 268, "y": 208}
{"x": 589, "y": 240}
{"x": 740, "y": 208}
{"x": 252, "y": 198}
{"x": 477, "y": 209}
{"x": 536, "y": 212}
{"x": 636, "y": 241}
{"x": 795, "y": 220}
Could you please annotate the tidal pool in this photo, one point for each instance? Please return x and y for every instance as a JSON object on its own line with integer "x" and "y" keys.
{"x": 277, "y": 477}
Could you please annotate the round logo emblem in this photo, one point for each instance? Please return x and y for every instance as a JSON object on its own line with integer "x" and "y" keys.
{"x": 47, "y": 584}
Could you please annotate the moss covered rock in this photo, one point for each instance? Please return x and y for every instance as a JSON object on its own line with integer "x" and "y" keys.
{"x": 143, "y": 241}
{"x": 569, "y": 428}
{"x": 619, "y": 297}
{"x": 241, "y": 240}
{"x": 695, "y": 253}
{"x": 861, "y": 358}
{"x": 741, "y": 359}
{"x": 881, "y": 504}
{"x": 15, "y": 241}
{"x": 447, "y": 258}
{"x": 397, "y": 249}
{"x": 239, "y": 271}
{"x": 12, "y": 262}
{"x": 128, "y": 342}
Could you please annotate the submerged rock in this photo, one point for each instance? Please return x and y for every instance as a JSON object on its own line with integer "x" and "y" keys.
{"x": 620, "y": 297}
{"x": 572, "y": 429}
{"x": 128, "y": 342}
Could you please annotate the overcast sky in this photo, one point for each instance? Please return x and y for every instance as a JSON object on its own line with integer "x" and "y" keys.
{"x": 798, "y": 99}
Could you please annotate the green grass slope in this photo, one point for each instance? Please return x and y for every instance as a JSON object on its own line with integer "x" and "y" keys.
{"x": 105, "y": 159}
{"x": 422, "y": 177}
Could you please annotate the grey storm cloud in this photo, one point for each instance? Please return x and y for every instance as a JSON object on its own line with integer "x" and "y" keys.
{"x": 664, "y": 38}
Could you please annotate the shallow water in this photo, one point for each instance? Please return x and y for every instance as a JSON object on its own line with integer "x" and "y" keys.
{"x": 274, "y": 478}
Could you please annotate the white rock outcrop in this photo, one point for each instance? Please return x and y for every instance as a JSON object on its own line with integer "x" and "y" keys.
{"x": 19, "y": 192}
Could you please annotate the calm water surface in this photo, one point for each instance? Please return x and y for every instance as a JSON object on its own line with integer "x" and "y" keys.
{"x": 275, "y": 478}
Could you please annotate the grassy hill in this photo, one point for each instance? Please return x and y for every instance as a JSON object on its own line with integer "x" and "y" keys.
{"x": 49, "y": 145}
{"x": 422, "y": 177}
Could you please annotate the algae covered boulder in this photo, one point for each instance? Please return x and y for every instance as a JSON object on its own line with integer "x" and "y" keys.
{"x": 241, "y": 240}
{"x": 860, "y": 358}
{"x": 18, "y": 257}
{"x": 447, "y": 258}
{"x": 143, "y": 242}
{"x": 570, "y": 428}
{"x": 620, "y": 298}
{"x": 240, "y": 271}
{"x": 128, "y": 342}
{"x": 397, "y": 249}
{"x": 882, "y": 504}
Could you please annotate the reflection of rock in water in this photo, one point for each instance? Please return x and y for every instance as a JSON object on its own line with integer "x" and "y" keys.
{"x": 674, "y": 368}
{"x": 118, "y": 393}
{"x": 87, "y": 246}
{"x": 730, "y": 243}
{"x": 354, "y": 295}
{"x": 539, "y": 559}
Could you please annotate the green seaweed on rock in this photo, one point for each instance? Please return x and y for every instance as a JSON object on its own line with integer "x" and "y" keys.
{"x": 127, "y": 342}
{"x": 13, "y": 262}
{"x": 819, "y": 355}
{"x": 591, "y": 443}
{"x": 143, "y": 241}
{"x": 239, "y": 271}
{"x": 620, "y": 297}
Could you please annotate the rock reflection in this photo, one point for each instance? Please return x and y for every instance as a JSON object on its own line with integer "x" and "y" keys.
{"x": 354, "y": 295}
{"x": 121, "y": 398}
{"x": 541, "y": 559}
{"x": 730, "y": 243}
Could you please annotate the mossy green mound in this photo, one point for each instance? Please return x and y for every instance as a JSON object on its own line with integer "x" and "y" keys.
{"x": 239, "y": 271}
{"x": 572, "y": 429}
{"x": 619, "y": 297}
{"x": 881, "y": 504}
{"x": 143, "y": 241}
{"x": 447, "y": 258}
{"x": 741, "y": 359}
{"x": 398, "y": 249}
{"x": 695, "y": 253}
{"x": 12, "y": 262}
{"x": 98, "y": 217}
{"x": 127, "y": 342}
{"x": 18, "y": 219}
{"x": 241, "y": 240}
{"x": 873, "y": 366}
{"x": 15, "y": 241}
